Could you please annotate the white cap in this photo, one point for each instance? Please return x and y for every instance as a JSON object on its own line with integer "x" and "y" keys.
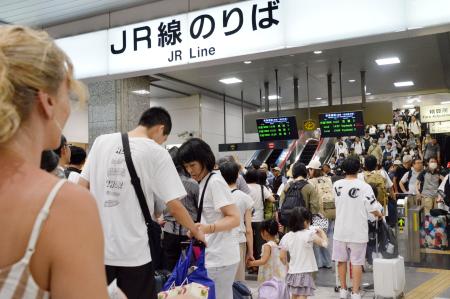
{"x": 397, "y": 162}
{"x": 314, "y": 164}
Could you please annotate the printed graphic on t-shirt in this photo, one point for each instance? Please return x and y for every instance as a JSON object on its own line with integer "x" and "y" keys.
{"x": 115, "y": 178}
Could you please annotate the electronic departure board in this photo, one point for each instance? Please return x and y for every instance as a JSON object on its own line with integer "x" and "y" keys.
{"x": 280, "y": 128}
{"x": 338, "y": 124}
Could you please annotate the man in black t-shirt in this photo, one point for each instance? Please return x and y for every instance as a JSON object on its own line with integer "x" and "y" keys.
{"x": 401, "y": 170}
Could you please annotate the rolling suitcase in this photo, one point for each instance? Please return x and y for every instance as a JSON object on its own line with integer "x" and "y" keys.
{"x": 388, "y": 276}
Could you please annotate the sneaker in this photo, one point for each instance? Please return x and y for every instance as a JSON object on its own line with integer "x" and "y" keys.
{"x": 343, "y": 294}
{"x": 356, "y": 296}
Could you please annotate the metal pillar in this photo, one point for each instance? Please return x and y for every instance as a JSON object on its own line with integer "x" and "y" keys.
{"x": 295, "y": 92}
{"x": 330, "y": 89}
{"x": 242, "y": 114}
{"x": 363, "y": 88}
{"x": 340, "y": 81}
{"x": 224, "y": 120}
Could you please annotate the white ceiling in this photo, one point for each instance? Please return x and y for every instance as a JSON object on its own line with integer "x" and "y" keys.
{"x": 42, "y": 13}
{"x": 421, "y": 62}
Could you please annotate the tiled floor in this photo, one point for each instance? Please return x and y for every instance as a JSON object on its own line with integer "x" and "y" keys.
{"x": 421, "y": 283}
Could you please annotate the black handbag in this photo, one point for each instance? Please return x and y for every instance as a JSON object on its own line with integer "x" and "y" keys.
{"x": 153, "y": 228}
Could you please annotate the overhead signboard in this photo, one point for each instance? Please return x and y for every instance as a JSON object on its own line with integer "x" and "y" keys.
{"x": 339, "y": 124}
{"x": 279, "y": 128}
{"x": 440, "y": 127}
{"x": 434, "y": 113}
{"x": 252, "y": 146}
{"x": 243, "y": 28}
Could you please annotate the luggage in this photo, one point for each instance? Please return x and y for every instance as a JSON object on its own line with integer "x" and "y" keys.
{"x": 161, "y": 276}
{"x": 241, "y": 291}
{"x": 388, "y": 274}
{"x": 433, "y": 234}
{"x": 272, "y": 289}
{"x": 389, "y": 277}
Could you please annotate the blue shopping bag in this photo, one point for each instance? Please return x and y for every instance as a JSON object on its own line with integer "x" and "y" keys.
{"x": 181, "y": 272}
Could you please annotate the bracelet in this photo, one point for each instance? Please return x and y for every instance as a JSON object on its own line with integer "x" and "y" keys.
{"x": 210, "y": 229}
{"x": 214, "y": 225}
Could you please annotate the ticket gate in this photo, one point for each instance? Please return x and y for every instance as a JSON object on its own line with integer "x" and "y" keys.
{"x": 408, "y": 228}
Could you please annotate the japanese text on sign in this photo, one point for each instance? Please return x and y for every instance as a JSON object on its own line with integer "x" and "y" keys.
{"x": 283, "y": 128}
{"x": 341, "y": 124}
{"x": 435, "y": 113}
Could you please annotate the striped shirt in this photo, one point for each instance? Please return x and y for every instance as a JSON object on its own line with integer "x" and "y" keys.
{"x": 16, "y": 281}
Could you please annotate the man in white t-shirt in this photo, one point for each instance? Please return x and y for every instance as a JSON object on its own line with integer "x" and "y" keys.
{"x": 127, "y": 252}
{"x": 354, "y": 201}
{"x": 244, "y": 233}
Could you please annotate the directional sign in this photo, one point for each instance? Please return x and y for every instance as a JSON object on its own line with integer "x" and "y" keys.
{"x": 401, "y": 223}
{"x": 309, "y": 125}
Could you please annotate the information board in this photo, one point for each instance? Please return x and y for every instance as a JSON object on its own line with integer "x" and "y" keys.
{"x": 338, "y": 124}
{"x": 280, "y": 128}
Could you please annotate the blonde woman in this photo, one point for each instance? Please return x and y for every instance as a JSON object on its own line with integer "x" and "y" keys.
{"x": 51, "y": 236}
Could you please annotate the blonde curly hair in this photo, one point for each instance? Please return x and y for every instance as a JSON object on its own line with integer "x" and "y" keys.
{"x": 30, "y": 61}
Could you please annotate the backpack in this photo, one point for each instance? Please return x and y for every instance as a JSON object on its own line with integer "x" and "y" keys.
{"x": 293, "y": 199}
{"x": 272, "y": 289}
{"x": 377, "y": 180}
{"x": 324, "y": 187}
{"x": 269, "y": 207}
{"x": 241, "y": 291}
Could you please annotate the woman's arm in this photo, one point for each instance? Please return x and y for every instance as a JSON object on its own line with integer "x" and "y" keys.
{"x": 264, "y": 257}
{"x": 229, "y": 221}
{"x": 249, "y": 233}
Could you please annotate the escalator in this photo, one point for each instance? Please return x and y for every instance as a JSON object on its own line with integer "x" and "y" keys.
{"x": 308, "y": 151}
{"x": 273, "y": 157}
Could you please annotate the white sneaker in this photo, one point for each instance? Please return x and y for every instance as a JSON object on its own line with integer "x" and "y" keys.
{"x": 343, "y": 294}
{"x": 356, "y": 296}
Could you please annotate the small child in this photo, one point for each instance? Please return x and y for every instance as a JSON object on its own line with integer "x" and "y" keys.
{"x": 270, "y": 265}
{"x": 299, "y": 244}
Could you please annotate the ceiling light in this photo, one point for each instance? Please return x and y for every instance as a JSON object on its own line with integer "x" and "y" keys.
{"x": 247, "y": 62}
{"x": 318, "y": 99}
{"x": 141, "y": 91}
{"x": 386, "y": 61}
{"x": 274, "y": 97}
{"x": 317, "y": 52}
{"x": 230, "y": 80}
{"x": 404, "y": 84}
{"x": 352, "y": 80}
{"x": 368, "y": 94}
{"x": 446, "y": 102}
{"x": 408, "y": 106}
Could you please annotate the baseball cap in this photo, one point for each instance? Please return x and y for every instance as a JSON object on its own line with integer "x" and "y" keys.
{"x": 314, "y": 164}
{"x": 277, "y": 169}
{"x": 407, "y": 158}
{"x": 397, "y": 162}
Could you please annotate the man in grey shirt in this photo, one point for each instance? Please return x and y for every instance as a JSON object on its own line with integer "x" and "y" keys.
{"x": 409, "y": 180}
{"x": 432, "y": 150}
{"x": 428, "y": 183}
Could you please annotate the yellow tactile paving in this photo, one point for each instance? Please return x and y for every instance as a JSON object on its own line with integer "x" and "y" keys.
{"x": 433, "y": 287}
{"x": 434, "y": 251}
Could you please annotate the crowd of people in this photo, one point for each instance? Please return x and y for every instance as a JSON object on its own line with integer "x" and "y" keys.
{"x": 72, "y": 240}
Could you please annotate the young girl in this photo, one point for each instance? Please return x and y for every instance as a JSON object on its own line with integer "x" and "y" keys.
{"x": 270, "y": 265}
{"x": 299, "y": 243}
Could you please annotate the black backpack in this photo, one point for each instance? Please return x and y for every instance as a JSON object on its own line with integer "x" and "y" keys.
{"x": 293, "y": 199}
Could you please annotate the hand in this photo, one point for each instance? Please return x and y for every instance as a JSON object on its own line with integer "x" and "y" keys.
{"x": 249, "y": 258}
{"x": 199, "y": 235}
{"x": 249, "y": 263}
{"x": 205, "y": 228}
{"x": 161, "y": 222}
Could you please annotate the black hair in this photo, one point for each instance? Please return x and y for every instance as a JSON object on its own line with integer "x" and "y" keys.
{"x": 351, "y": 166}
{"x": 173, "y": 152}
{"x": 49, "y": 161}
{"x": 256, "y": 164}
{"x": 370, "y": 162}
{"x": 262, "y": 177}
{"x": 297, "y": 219}
{"x": 252, "y": 176}
{"x": 299, "y": 169}
{"x": 224, "y": 160}
{"x": 196, "y": 149}
{"x": 156, "y": 116}
{"x": 229, "y": 171}
{"x": 270, "y": 226}
{"x": 61, "y": 145}
{"x": 77, "y": 156}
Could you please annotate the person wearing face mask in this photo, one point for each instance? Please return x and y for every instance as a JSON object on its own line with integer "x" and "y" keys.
{"x": 428, "y": 182}
{"x": 106, "y": 174}
{"x": 409, "y": 179}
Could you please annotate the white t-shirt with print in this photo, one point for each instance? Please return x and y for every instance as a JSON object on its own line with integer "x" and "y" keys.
{"x": 223, "y": 247}
{"x": 300, "y": 247}
{"x": 354, "y": 199}
{"x": 74, "y": 177}
{"x": 258, "y": 202}
{"x": 244, "y": 202}
{"x": 124, "y": 229}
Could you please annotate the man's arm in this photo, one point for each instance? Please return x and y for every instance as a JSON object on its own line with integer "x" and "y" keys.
{"x": 182, "y": 216}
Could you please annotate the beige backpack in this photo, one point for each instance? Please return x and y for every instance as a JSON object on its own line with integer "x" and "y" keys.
{"x": 324, "y": 187}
